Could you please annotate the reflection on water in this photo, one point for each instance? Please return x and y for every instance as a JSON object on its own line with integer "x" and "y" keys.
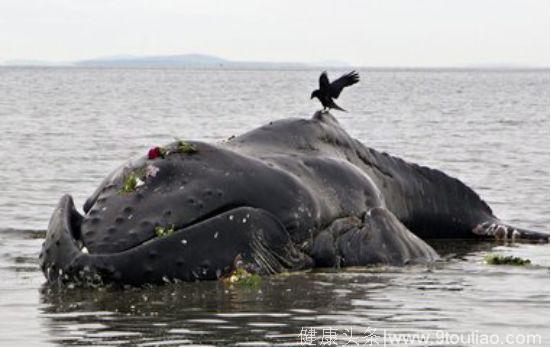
{"x": 63, "y": 130}
{"x": 459, "y": 294}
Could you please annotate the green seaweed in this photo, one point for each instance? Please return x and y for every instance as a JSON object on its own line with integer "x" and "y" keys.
{"x": 241, "y": 277}
{"x": 161, "y": 231}
{"x": 185, "y": 147}
{"x": 495, "y": 259}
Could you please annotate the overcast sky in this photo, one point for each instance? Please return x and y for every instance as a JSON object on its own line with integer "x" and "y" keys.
{"x": 367, "y": 33}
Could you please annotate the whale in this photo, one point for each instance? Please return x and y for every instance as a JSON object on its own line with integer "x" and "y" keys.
{"x": 294, "y": 194}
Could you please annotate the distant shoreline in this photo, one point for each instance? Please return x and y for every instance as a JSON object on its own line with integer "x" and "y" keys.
{"x": 210, "y": 62}
{"x": 278, "y": 68}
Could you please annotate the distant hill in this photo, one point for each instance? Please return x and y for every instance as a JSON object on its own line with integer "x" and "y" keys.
{"x": 184, "y": 60}
{"x": 176, "y": 61}
{"x": 34, "y": 62}
{"x": 204, "y": 61}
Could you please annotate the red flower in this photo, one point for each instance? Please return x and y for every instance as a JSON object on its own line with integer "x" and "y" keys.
{"x": 155, "y": 152}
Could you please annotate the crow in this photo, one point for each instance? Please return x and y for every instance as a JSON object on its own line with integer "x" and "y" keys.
{"x": 327, "y": 91}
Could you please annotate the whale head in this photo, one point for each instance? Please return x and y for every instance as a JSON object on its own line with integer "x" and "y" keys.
{"x": 190, "y": 197}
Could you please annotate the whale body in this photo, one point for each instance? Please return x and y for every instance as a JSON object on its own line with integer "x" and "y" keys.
{"x": 291, "y": 195}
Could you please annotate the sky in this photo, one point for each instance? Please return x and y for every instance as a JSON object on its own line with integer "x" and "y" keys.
{"x": 418, "y": 33}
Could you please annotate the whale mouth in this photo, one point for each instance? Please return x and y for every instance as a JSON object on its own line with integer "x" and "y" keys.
{"x": 65, "y": 226}
{"x": 214, "y": 213}
{"x": 64, "y": 250}
{"x": 234, "y": 231}
{"x": 199, "y": 220}
{"x": 75, "y": 222}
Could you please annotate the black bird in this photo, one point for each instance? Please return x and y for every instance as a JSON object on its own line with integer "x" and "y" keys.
{"x": 328, "y": 91}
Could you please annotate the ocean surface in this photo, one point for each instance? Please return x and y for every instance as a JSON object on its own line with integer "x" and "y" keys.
{"x": 63, "y": 129}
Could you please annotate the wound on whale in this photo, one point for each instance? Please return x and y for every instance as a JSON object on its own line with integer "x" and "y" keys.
{"x": 291, "y": 195}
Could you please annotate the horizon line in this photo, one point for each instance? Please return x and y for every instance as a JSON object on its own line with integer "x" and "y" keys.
{"x": 141, "y": 61}
{"x": 282, "y": 65}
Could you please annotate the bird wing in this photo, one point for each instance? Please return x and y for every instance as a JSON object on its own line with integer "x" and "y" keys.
{"x": 344, "y": 81}
{"x": 324, "y": 81}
